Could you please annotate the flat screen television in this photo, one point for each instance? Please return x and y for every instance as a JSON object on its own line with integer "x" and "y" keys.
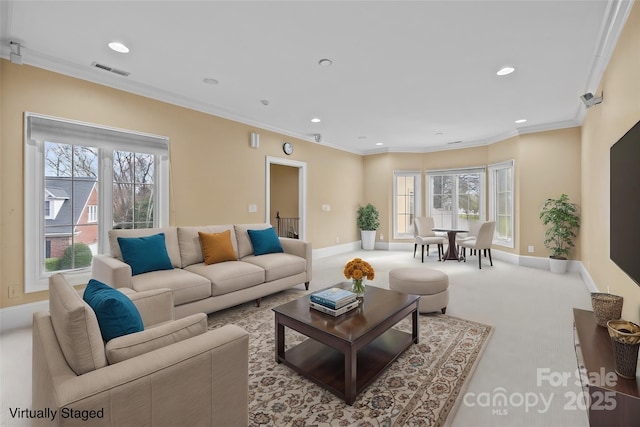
{"x": 625, "y": 203}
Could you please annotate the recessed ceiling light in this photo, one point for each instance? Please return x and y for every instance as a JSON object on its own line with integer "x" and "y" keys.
{"x": 119, "y": 47}
{"x": 210, "y": 81}
{"x": 379, "y": 143}
{"x": 325, "y": 62}
{"x": 521, "y": 120}
{"x": 315, "y": 120}
{"x": 506, "y": 70}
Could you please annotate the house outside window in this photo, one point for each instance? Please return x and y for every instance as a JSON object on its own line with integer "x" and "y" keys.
{"x": 406, "y": 202}
{"x": 502, "y": 202}
{"x": 90, "y": 185}
{"x": 455, "y": 197}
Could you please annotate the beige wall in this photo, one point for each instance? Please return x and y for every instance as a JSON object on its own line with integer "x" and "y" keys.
{"x": 215, "y": 175}
{"x": 548, "y": 165}
{"x": 603, "y": 126}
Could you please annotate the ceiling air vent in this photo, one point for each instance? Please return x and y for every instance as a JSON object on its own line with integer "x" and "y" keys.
{"x": 111, "y": 69}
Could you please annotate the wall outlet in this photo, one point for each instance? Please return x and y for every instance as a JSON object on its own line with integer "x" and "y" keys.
{"x": 530, "y": 249}
{"x": 381, "y": 236}
{"x": 253, "y": 208}
{"x": 13, "y": 291}
{"x": 326, "y": 208}
{"x": 337, "y": 239}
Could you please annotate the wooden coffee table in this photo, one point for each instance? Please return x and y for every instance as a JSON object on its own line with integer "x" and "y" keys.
{"x": 345, "y": 354}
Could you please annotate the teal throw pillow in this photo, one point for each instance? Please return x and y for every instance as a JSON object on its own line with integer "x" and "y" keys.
{"x": 265, "y": 241}
{"x": 117, "y": 315}
{"x": 145, "y": 254}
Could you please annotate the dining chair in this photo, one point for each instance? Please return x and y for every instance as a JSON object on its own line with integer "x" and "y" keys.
{"x": 471, "y": 235}
{"x": 425, "y": 236}
{"x": 482, "y": 242}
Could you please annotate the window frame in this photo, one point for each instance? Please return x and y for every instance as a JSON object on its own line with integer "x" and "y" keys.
{"x": 493, "y": 200}
{"x": 455, "y": 172}
{"x": 417, "y": 202}
{"x": 37, "y": 129}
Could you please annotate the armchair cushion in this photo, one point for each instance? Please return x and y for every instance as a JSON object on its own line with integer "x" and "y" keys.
{"x": 76, "y": 327}
{"x": 145, "y": 254}
{"x": 117, "y": 314}
{"x": 265, "y": 241}
{"x": 132, "y": 345}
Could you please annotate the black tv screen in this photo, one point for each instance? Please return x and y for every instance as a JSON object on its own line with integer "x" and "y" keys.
{"x": 625, "y": 203}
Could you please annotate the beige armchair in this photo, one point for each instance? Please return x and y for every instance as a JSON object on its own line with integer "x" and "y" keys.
{"x": 425, "y": 236}
{"x": 481, "y": 242}
{"x": 172, "y": 373}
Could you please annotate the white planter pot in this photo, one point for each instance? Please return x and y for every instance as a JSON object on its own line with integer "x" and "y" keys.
{"x": 368, "y": 238}
{"x": 558, "y": 265}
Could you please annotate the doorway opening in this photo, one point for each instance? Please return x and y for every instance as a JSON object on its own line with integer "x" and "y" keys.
{"x": 286, "y": 189}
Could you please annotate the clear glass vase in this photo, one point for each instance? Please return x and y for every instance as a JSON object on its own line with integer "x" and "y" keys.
{"x": 357, "y": 287}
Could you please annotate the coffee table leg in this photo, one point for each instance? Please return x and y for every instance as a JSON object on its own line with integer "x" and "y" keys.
{"x": 414, "y": 330}
{"x": 279, "y": 339}
{"x": 350, "y": 371}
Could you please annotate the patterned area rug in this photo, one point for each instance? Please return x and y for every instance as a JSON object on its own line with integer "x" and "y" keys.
{"x": 421, "y": 388}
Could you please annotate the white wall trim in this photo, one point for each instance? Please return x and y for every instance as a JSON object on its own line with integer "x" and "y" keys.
{"x": 20, "y": 316}
{"x": 335, "y": 250}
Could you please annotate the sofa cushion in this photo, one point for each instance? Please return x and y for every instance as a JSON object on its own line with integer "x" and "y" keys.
{"x": 76, "y": 327}
{"x": 265, "y": 241}
{"x": 128, "y": 346}
{"x": 229, "y": 276}
{"x": 117, "y": 314}
{"x": 242, "y": 236}
{"x": 145, "y": 254}
{"x": 217, "y": 247}
{"x": 170, "y": 238}
{"x": 278, "y": 265}
{"x": 189, "y": 242}
{"x": 186, "y": 286}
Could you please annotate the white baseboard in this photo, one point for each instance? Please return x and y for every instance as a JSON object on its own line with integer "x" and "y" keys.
{"x": 336, "y": 250}
{"x": 20, "y": 316}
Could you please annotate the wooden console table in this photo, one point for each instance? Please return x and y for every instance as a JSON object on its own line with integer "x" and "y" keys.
{"x": 597, "y": 358}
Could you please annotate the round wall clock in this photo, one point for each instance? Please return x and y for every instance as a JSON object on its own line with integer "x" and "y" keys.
{"x": 287, "y": 147}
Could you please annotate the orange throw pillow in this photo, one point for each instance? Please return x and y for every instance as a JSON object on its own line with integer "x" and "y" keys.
{"x": 217, "y": 247}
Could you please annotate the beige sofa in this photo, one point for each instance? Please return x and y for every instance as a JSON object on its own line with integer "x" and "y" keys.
{"x": 171, "y": 373}
{"x": 201, "y": 288}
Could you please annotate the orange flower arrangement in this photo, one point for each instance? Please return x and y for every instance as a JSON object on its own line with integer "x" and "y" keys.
{"x": 357, "y": 270}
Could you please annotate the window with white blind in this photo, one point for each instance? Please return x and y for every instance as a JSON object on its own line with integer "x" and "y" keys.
{"x": 501, "y": 202}
{"x": 406, "y": 202}
{"x": 81, "y": 180}
{"x": 456, "y": 197}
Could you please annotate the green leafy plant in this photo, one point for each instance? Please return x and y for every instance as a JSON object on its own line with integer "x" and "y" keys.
{"x": 368, "y": 218}
{"x": 75, "y": 256}
{"x": 562, "y": 219}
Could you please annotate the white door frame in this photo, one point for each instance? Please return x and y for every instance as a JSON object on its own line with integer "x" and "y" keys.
{"x": 302, "y": 190}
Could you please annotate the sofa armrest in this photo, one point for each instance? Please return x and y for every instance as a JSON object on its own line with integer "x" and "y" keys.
{"x": 111, "y": 271}
{"x": 155, "y": 306}
{"x": 132, "y": 345}
{"x": 300, "y": 248}
{"x": 202, "y": 381}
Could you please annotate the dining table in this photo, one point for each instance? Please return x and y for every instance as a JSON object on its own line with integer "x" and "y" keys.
{"x": 452, "y": 251}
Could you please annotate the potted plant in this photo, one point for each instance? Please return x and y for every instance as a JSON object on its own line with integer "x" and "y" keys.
{"x": 562, "y": 221}
{"x": 368, "y": 222}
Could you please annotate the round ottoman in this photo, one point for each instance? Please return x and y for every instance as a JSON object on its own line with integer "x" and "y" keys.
{"x": 431, "y": 285}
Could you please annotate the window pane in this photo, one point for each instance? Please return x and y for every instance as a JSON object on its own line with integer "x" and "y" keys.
{"x": 133, "y": 190}
{"x": 70, "y": 193}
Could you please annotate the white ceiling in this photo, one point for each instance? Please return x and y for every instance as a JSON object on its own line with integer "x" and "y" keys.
{"x": 413, "y": 75}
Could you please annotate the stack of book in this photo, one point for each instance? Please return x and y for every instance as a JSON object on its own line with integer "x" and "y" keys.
{"x": 334, "y": 301}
